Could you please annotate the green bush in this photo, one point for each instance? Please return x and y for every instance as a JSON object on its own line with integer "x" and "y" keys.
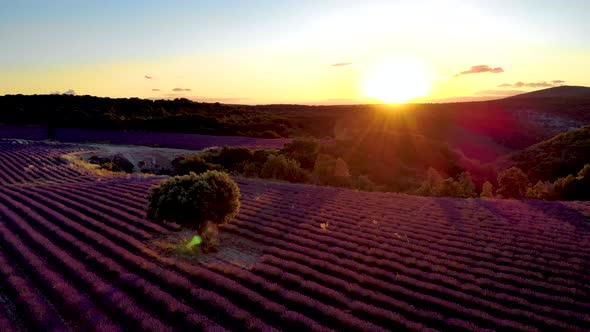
{"x": 279, "y": 167}
{"x": 540, "y": 190}
{"x": 432, "y": 183}
{"x": 199, "y": 202}
{"x": 232, "y": 158}
{"x": 192, "y": 163}
{"x": 251, "y": 169}
{"x": 304, "y": 151}
{"x": 573, "y": 187}
{"x": 363, "y": 182}
{"x": 487, "y": 190}
{"x": 512, "y": 183}
{"x": 331, "y": 171}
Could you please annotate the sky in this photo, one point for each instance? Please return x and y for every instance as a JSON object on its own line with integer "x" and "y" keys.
{"x": 304, "y": 51}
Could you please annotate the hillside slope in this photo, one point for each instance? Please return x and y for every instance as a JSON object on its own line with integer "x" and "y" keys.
{"x": 556, "y": 92}
{"x": 77, "y": 253}
{"x": 557, "y": 157}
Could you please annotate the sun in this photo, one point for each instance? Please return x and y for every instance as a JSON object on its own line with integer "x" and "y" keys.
{"x": 395, "y": 83}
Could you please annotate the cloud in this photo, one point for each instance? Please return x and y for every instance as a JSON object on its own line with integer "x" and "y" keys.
{"x": 69, "y": 92}
{"x": 481, "y": 69}
{"x": 499, "y": 92}
{"x": 155, "y": 89}
{"x": 341, "y": 64}
{"x": 148, "y": 77}
{"x": 181, "y": 89}
{"x": 543, "y": 84}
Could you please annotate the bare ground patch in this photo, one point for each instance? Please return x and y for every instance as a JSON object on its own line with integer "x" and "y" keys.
{"x": 234, "y": 249}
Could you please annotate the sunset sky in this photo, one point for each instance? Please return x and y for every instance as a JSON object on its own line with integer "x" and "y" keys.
{"x": 309, "y": 52}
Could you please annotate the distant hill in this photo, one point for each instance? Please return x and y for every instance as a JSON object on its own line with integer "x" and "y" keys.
{"x": 558, "y": 156}
{"x": 557, "y": 92}
{"x": 481, "y": 130}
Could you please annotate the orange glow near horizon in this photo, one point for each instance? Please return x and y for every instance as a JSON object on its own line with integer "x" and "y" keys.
{"x": 395, "y": 82}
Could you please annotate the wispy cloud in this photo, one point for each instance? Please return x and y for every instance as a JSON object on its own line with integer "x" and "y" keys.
{"x": 69, "y": 92}
{"x": 341, "y": 64}
{"x": 155, "y": 89}
{"x": 148, "y": 77}
{"x": 181, "y": 89}
{"x": 481, "y": 69}
{"x": 543, "y": 84}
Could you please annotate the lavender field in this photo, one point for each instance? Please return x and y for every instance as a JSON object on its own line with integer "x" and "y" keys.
{"x": 76, "y": 252}
{"x": 160, "y": 139}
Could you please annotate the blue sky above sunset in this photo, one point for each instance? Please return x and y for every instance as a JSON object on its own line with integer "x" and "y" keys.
{"x": 310, "y": 52}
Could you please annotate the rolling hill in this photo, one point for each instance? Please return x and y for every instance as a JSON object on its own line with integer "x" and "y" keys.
{"x": 559, "y": 156}
{"x": 565, "y": 91}
{"x": 77, "y": 253}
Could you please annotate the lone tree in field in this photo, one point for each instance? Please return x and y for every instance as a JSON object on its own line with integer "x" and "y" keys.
{"x": 199, "y": 202}
{"x": 512, "y": 183}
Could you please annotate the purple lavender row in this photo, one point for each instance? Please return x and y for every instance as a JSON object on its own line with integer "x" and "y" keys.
{"x": 92, "y": 200}
{"x": 387, "y": 255}
{"x": 149, "y": 294}
{"x": 113, "y": 227}
{"x": 358, "y": 195}
{"x": 81, "y": 212}
{"x": 427, "y": 229}
{"x": 119, "y": 304}
{"x": 74, "y": 305}
{"x": 387, "y": 264}
{"x": 383, "y": 254}
{"x": 37, "y": 312}
{"x": 208, "y": 301}
{"x": 510, "y": 301}
{"x": 409, "y": 282}
{"x": 386, "y": 249}
{"x": 309, "y": 307}
{"x": 397, "y": 314}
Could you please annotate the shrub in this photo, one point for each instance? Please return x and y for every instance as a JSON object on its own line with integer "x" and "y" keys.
{"x": 363, "y": 182}
{"x": 279, "y": 167}
{"x": 304, "y": 151}
{"x": 573, "y": 187}
{"x": 199, "y": 202}
{"x": 512, "y": 183}
{"x": 122, "y": 164}
{"x": 432, "y": 183}
{"x": 487, "y": 190}
{"x": 466, "y": 187}
{"x": 540, "y": 190}
{"x": 330, "y": 171}
{"x": 251, "y": 169}
{"x": 192, "y": 163}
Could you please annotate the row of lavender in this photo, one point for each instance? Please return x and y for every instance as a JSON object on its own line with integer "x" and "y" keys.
{"x": 74, "y": 255}
{"x": 169, "y": 140}
{"x": 28, "y": 161}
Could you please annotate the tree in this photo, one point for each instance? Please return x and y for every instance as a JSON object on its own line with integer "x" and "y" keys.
{"x": 305, "y": 151}
{"x": 331, "y": 171}
{"x": 192, "y": 163}
{"x": 487, "y": 190}
{"x": 465, "y": 185}
{"x": 281, "y": 168}
{"x": 430, "y": 186}
{"x": 512, "y": 183}
{"x": 199, "y": 202}
{"x": 540, "y": 190}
